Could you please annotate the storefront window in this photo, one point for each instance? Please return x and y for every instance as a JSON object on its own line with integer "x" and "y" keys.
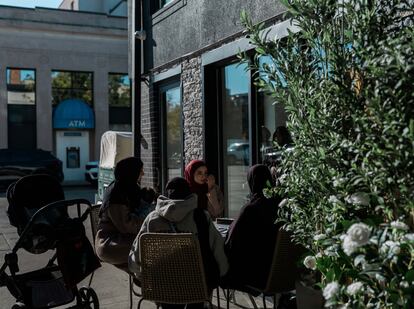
{"x": 235, "y": 133}
{"x": 270, "y": 115}
{"x": 119, "y": 96}
{"x": 21, "y": 108}
{"x": 171, "y": 103}
{"x": 72, "y": 85}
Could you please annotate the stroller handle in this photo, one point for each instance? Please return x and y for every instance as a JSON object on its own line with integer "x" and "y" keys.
{"x": 62, "y": 203}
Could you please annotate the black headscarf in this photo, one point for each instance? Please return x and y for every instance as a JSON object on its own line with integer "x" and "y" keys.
{"x": 253, "y": 231}
{"x": 124, "y": 189}
{"x": 177, "y": 189}
{"x": 259, "y": 178}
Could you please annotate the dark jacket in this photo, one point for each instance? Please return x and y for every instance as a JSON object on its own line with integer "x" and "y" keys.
{"x": 251, "y": 238}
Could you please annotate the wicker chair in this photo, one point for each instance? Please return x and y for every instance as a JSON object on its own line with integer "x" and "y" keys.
{"x": 283, "y": 271}
{"x": 172, "y": 269}
{"x": 94, "y": 216}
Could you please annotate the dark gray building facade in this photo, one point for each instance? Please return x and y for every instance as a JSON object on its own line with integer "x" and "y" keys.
{"x": 197, "y": 102}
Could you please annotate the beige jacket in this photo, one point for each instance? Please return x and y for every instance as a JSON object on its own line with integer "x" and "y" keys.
{"x": 117, "y": 229}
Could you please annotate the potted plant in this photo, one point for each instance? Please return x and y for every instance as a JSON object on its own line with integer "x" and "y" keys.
{"x": 346, "y": 81}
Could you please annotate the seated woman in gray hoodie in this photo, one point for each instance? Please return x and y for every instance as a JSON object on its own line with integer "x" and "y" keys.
{"x": 178, "y": 212}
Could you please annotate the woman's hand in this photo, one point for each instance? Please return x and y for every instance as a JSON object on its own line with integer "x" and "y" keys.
{"x": 211, "y": 182}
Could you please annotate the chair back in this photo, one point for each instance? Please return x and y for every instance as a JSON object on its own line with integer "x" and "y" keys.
{"x": 172, "y": 268}
{"x": 94, "y": 216}
{"x": 283, "y": 271}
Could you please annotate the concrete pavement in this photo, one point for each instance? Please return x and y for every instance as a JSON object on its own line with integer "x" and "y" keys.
{"x": 110, "y": 283}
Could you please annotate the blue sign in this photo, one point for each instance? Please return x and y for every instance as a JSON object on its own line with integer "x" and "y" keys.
{"x": 73, "y": 114}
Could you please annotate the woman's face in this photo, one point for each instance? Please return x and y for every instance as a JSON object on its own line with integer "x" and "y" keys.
{"x": 200, "y": 175}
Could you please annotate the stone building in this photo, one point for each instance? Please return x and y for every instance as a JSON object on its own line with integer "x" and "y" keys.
{"x": 196, "y": 101}
{"x": 63, "y": 82}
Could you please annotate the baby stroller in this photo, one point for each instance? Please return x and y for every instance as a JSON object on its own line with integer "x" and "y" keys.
{"x": 38, "y": 209}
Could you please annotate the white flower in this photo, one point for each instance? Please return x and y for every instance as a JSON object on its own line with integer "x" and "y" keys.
{"x": 283, "y": 203}
{"x": 409, "y": 237}
{"x": 359, "y": 233}
{"x": 348, "y": 245}
{"x": 360, "y": 260}
{"x": 404, "y": 284}
{"x": 310, "y": 262}
{"x": 332, "y": 250}
{"x": 399, "y": 225}
{"x": 333, "y": 199}
{"x": 319, "y": 237}
{"x": 354, "y": 288}
{"x": 358, "y": 198}
{"x": 331, "y": 290}
{"x": 381, "y": 279}
{"x": 390, "y": 247}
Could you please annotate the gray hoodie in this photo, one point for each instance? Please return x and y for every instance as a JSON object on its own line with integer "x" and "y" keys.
{"x": 170, "y": 214}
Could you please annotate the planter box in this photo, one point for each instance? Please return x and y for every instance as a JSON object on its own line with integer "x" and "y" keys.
{"x": 307, "y": 297}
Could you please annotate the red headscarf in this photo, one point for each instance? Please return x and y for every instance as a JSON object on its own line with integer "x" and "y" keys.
{"x": 200, "y": 189}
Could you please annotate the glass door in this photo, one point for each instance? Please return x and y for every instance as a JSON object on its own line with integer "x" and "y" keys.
{"x": 172, "y": 131}
{"x": 235, "y": 135}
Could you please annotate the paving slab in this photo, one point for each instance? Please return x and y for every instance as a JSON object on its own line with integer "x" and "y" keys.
{"x": 110, "y": 283}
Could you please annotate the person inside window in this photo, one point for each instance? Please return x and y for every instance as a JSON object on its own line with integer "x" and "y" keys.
{"x": 177, "y": 212}
{"x": 210, "y": 197}
{"x": 251, "y": 237}
{"x": 121, "y": 214}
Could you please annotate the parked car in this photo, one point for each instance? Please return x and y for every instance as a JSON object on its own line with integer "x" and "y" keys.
{"x": 16, "y": 163}
{"x": 238, "y": 152}
{"x": 91, "y": 172}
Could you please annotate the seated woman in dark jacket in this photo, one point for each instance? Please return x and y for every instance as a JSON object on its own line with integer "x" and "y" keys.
{"x": 251, "y": 238}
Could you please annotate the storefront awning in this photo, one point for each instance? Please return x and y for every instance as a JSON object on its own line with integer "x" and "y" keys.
{"x": 73, "y": 114}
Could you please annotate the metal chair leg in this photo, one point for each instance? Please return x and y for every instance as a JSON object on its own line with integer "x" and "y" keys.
{"x": 218, "y": 297}
{"x": 131, "y": 286}
{"x": 264, "y": 301}
{"x": 253, "y": 301}
{"x": 228, "y": 298}
{"x": 90, "y": 280}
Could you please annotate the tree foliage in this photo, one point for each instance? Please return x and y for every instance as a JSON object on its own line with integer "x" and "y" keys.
{"x": 346, "y": 80}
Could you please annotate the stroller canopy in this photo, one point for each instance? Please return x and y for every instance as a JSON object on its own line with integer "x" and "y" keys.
{"x": 29, "y": 194}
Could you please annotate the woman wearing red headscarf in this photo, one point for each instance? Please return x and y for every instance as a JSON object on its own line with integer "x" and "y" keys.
{"x": 201, "y": 183}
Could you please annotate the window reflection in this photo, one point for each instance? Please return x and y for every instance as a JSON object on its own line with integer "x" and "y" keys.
{"x": 173, "y": 143}
{"x": 21, "y": 86}
{"x": 72, "y": 85}
{"x": 271, "y": 115}
{"x": 119, "y": 87}
{"x": 165, "y": 2}
{"x": 236, "y": 141}
{"x": 21, "y": 108}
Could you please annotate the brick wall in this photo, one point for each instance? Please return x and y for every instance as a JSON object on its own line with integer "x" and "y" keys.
{"x": 150, "y": 152}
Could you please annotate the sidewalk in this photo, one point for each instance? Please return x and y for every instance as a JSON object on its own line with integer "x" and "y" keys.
{"x": 110, "y": 284}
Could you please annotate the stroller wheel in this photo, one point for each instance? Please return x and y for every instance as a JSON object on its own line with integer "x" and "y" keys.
{"x": 18, "y": 305}
{"x": 89, "y": 298}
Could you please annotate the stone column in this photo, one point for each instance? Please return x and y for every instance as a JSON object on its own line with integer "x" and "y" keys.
{"x": 192, "y": 109}
{"x": 3, "y": 109}
{"x": 101, "y": 106}
{"x": 44, "y": 108}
